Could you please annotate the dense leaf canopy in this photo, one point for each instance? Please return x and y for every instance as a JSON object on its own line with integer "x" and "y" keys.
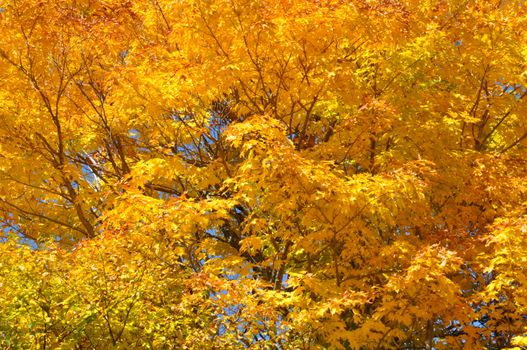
{"x": 263, "y": 174}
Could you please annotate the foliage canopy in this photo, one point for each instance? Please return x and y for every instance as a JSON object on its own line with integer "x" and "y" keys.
{"x": 264, "y": 174}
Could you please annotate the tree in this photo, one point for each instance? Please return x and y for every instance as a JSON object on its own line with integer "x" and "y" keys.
{"x": 224, "y": 174}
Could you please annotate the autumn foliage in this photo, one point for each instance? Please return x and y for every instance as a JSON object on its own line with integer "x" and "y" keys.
{"x": 263, "y": 174}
